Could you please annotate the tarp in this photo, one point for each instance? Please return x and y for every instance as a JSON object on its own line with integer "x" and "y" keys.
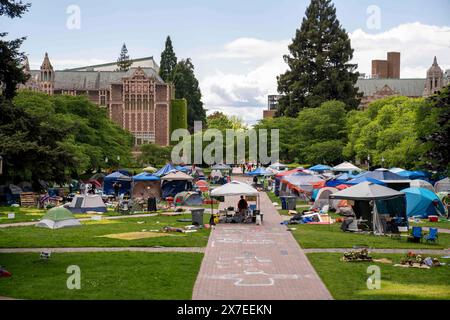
{"x": 86, "y": 203}
{"x": 182, "y": 169}
{"x": 320, "y": 167}
{"x": 381, "y": 175}
{"x": 396, "y": 170}
{"x": 367, "y": 191}
{"x": 123, "y": 180}
{"x": 442, "y": 185}
{"x": 57, "y": 218}
{"x": 346, "y": 167}
{"x": 165, "y": 170}
{"x": 421, "y": 202}
{"x": 150, "y": 169}
{"x": 234, "y": 188}
{"x": 365, "y": 179}
{"x": 144, "y": 176}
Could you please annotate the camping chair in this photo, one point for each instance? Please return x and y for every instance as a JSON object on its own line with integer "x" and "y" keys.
{"x": 416, "y": 234}
{"x": 432, "y": 235}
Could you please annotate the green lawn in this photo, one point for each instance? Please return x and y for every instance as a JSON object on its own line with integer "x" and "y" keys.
{"x": 22, "y": 214}
{"x": 444, "y": 224}
{"x": 89, "y": 234}
{"x": 347, "y": 280}
{"x": 133, "y": 275}
{"x": 331, "y": 236}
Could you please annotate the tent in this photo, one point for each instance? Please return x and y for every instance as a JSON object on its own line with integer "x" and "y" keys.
{"x": 412, "y": 174}
{"x": 322, "y": 199}
{"x": 421, "y": 184}
{"x": 301, "y": 182}
{"x": 259, "y": 172}
{"x": 346, "y": 167}
{"x": 442, "y": 185}
{"x": 195, "y": 171}
{"x": 422, "y": 203}
{"x": 174, "y": 183}
{"x": 396, "y": 170}
{"x": 375, "y": 203}
{"x": 202, "y": 185}
{"x": 221, "y": 166}
{"x": 188, "y": 198}
{"x": 320, "y": 168}
{"x": 279, "y": 177}
{"x": 109, "y": 180}
{"x": 165, "y": 170}
{"x": 146, "y": 186}
{"x": 57, "y": 218}
{"x": 87, "y": 203}
{"x": 278, "y": 166}
{"x": 182, "y": 169}
{"x": 365, "y": 179}
{"x": 234, "y": 188}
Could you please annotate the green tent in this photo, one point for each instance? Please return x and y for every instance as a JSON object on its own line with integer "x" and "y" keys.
{"x": 57, "y": 218}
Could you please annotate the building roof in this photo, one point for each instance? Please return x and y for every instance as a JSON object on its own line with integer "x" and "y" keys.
{"x": 146, "y": 62}
{"x": 404, "y": 87}
{"x": 93, "y": 80}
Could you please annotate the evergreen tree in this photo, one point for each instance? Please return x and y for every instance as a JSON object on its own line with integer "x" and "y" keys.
{"x": 168, "y": 61}
{"x": 11, "y": 72}
{"x": 123, "y": 62}
{"x": 186, "y": 86}
{"x": 319, "y": 68}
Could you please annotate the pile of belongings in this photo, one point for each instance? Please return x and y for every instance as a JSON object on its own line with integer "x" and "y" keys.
{"x": 4, "y": 273}
{"x": 357, "y": 256}
{"x": 413, "y": 260}
{"x": 187, "y": 229}
{"x": 304, "y": 219}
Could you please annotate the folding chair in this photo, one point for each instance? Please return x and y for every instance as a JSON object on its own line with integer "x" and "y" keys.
{"x": 416, "y": 234}
{"x": 432, "y": 235}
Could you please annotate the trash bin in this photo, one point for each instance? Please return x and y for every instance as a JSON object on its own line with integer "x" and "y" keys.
{"x": 197, "y": 216}
{"x": 151, "y": 205}
{"x": 291, "y": 203}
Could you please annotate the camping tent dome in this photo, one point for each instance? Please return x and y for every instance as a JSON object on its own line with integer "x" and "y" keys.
{"x": 442, "y": 185}
{"x": 188, "y": 198}
{"x": 87, "y": 203}
{"x": 57, "y": 218}
{"x": 421, "y": 202}
{"x": 323, "y": 198}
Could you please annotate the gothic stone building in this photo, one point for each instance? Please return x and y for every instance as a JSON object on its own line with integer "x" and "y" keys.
{"x": 138, "y": 100}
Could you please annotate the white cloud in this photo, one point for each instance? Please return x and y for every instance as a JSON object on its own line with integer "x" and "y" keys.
{"x": 245, "y": 93}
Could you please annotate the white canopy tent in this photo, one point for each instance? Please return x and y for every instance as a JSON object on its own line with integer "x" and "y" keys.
{"x": 346, "y": 167}
{"x": 235, "y": 188}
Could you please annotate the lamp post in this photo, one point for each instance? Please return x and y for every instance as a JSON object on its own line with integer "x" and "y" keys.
{"x": 382, "y": 162}
{"x": 1, "y": 165}
{"x": 368, "y": 162}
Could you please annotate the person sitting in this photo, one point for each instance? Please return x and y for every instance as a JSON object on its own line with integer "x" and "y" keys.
{"x": 242, "y": 206}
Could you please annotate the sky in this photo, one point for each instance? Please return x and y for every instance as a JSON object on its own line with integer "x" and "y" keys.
{"x": 236, "y": 46}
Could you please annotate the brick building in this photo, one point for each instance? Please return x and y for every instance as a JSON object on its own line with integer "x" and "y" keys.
{"x": 138, "y": 100}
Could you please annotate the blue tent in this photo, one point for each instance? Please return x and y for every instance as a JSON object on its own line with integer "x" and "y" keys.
{"x": 412, "y": 174}
{"x": 381, "y": 175}
{"x": 124, "y": 180}
{"x": 365, "y": 179}
{"x": 144, "y": 176}
{"x": 259, "y": 172}
{"x": 335, "y": 182}
{"x": 346, "y": 176}
{"x": 164, "y": 170}
{"x": 320, "y": 168}
{"x": 423, "y": 203}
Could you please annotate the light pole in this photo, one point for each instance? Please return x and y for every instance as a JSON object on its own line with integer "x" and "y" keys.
{"x": 1, "y": 165}
{"x": 368, "y": 162}
{"x": 382, "y": 162}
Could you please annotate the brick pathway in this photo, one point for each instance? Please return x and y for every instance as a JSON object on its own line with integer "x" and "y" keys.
{"x": 256, "y": 262}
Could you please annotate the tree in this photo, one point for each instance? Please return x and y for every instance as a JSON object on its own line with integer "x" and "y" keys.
{"x": 11, "y": 72}
{"x": 55, "y": 137}
{"x": 123, "y": 62}
{"x": 168, "y": 61}
{"x": 152, "y": 154}
{"x": 187, "y": 86}
{"x": 433, "y": 121}
{"x": 319, "y": 68}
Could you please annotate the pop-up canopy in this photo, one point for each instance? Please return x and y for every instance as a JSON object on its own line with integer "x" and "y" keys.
{"x": 346, "y": 167}
{"x": 260, "y": 172}
{"x": 234, "y": 188}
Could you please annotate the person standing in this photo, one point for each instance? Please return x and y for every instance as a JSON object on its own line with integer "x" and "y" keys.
{"x": 242, "y": 206}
